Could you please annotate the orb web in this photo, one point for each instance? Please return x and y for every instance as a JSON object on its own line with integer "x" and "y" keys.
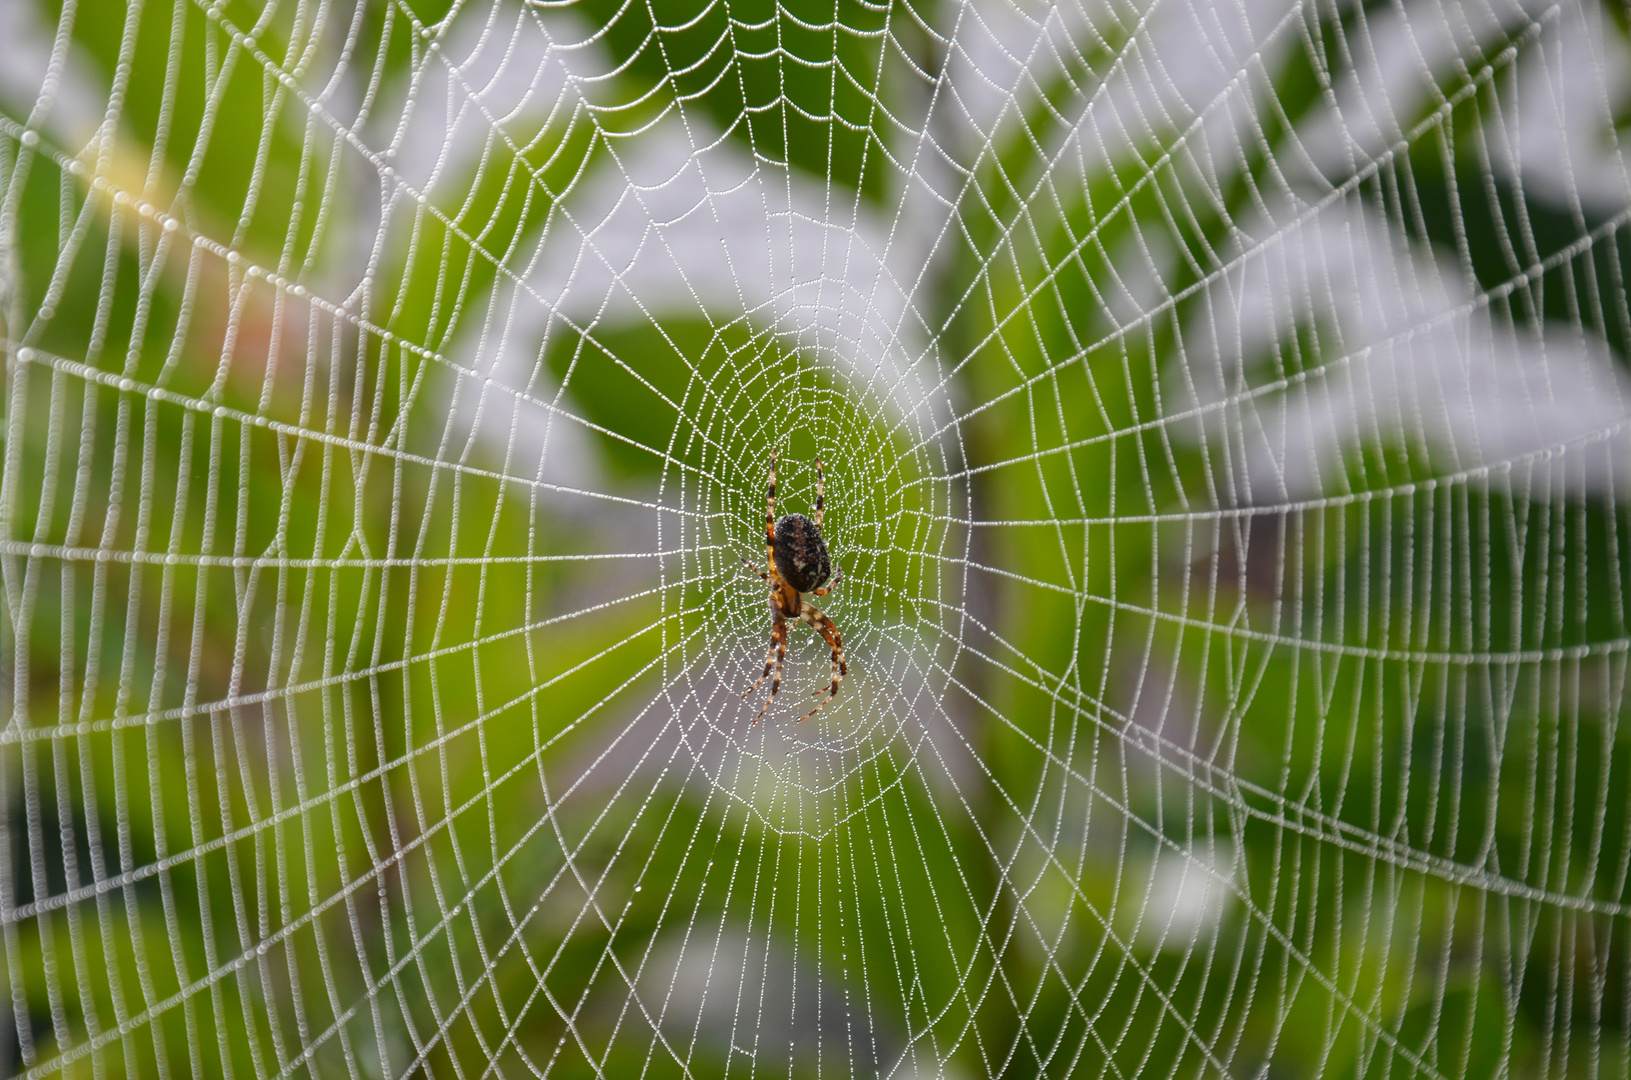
{"x": 1223, "y": 413}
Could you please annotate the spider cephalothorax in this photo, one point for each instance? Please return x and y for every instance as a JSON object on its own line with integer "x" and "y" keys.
{"x": 796, "y": 563}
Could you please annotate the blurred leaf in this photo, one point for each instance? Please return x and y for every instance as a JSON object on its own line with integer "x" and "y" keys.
{"x": 212, "y": 129}
{"x": 480, "y": 227}
{"x": 806, "y": 83}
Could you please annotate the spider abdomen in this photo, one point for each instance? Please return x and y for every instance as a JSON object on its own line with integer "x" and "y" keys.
{"x": 801, "y": 555}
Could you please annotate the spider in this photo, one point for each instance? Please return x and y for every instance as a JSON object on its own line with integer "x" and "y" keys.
{"x": 797, "y": 563}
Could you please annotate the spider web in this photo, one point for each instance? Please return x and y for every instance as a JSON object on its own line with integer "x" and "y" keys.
{"x": 1223, "y": 412}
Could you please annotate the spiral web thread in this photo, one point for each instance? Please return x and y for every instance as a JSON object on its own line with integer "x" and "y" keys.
{"x": 1223, "y": 412}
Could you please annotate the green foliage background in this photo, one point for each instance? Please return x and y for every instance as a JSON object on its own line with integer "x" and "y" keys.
{"x": 300, "y": 690}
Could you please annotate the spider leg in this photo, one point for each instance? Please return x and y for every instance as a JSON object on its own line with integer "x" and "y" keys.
{"x": 820, "y": 492}
{"x": 778, "y": 645}
{"x": 838, "y": 575}
{"x": 776, "y": 633}
{"x": 770, "y": 516}
{"x": 754, "y": 569}
{"x": 829, "y": 633}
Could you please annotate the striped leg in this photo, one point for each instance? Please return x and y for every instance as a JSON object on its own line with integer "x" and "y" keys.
{"x": 770, "y": 517}
{"x": 837, "y": 576}
{"x": 778, "y": 644}
{"x": 770, "y": 658}
{"x": 829, "y": 633}
{"x": 820, "y": 492}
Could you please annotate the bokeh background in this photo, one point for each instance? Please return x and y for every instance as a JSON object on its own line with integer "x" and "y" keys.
{"x": 1224, "y": 410}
